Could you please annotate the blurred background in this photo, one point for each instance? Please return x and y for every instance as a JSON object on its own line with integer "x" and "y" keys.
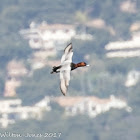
{"x": 103, "y": 100}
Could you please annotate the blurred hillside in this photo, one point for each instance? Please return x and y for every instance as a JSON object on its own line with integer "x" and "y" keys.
{"x": 113, "y": 52}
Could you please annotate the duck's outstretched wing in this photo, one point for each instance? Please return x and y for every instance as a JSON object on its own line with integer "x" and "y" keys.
{"x": 68, "y": 53}
{"x": 64, "y": 81}
{"x": 66, "y": 61}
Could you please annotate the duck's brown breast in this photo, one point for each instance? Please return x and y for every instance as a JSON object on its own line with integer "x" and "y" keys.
{"x": 73, "y": 66}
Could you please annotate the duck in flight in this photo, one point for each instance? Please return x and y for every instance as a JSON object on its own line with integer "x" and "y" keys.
{"x": 66, "y": 66}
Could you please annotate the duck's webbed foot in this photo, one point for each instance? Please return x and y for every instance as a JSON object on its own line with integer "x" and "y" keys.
{"x": 55, "y": 69}
{"x": 51, "y": 72}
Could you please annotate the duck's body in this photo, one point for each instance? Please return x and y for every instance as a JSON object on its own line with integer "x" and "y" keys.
{"x": 66, "y": 66}
{"x": 72, "y": 65}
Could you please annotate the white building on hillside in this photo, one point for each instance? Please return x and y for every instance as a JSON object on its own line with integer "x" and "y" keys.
{"x": 48, "y": 35}
{"x": 90, "y": 105}
{"x": 124, "y": 49}
{"x": 12, "y": 110}
{"x": 15, "y": 71}
{"x": 133, "y": 78}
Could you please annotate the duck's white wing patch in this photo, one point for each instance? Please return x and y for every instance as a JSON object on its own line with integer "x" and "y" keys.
{"x": 64, "y": 80}
{"x": 66, "y": 68}
{"x": 68, "y": 53}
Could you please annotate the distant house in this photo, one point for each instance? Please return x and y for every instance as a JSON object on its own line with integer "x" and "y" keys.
{"x": 90, "y": 105}
{"x": 128, "y": 6}
{"x": 15, "y": 70}
{"x": 135, "y": 27}
{"x": 48, "y": 35}
{"x": 133, "y": 78}
{"x": 57, "y": 32}
{"x": 12, "y": 110}
{"x": 10, "y": 87}
{"x": 56, "y": 36}
{"x": 124, "y": 49}
{"x": 100, "y": 24}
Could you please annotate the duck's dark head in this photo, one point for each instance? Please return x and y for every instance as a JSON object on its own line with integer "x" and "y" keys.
{"x": 82, "y": 64}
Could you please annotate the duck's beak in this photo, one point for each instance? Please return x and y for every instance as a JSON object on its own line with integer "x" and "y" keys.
{"x": 87, "y": 65}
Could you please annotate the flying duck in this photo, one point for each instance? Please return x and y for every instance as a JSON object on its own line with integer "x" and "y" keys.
{"x": 66, "y": 66}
